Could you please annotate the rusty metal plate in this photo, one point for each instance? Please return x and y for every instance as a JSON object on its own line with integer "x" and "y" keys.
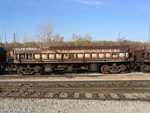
{"x": 85, "y": 49}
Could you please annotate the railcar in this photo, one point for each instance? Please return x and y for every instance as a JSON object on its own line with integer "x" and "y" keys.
{"x": 137, "y": 54}
{"x": 146, "y": 60}
{"x": 106, "y": 59}
{"x": 3, "y": 59}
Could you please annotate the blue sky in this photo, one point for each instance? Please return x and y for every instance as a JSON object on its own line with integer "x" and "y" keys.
{"x": 102, "y": 19}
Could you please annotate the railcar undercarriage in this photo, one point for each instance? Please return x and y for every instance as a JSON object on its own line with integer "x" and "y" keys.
{"x": 106, "y": 68}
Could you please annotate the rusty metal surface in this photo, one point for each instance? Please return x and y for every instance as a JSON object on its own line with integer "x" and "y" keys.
{"x": 81, "y": 51}
{"x": 146, "y": 54}
{"x": 70, "y": 61}
{"x": 80, "y": 55}
{"x": 85, "y": 47}
{"x": 139, "y": 55}
{"x": 73, "y": 49}
{"x": 146, "y": 47}
{"x": 2, "y": 49}
{"x": 3, "y": 54}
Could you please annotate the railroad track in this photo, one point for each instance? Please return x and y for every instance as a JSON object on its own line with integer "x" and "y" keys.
{"x": 67, "y": 75}
{"x": 100, "y": 90}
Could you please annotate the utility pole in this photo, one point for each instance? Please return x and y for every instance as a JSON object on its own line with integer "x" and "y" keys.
{"x": 5, "y": 40}
{"x": 149, "y": 34}
{"x": 119, "y": 36}
{"x": 14, "y": 37}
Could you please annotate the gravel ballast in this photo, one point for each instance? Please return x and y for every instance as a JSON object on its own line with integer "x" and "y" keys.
{"x": 11, "y": 105}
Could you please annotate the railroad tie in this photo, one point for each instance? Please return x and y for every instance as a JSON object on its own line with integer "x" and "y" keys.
{"x": 63, "y": 95}
{"x": 108, "y": 96}
{"x": 49, "y": 94}
{"x": 56, "y": 95}
{"x": 70, "y": 95}
{"x": 95, "y": 96}
{"x": 121, "y": 96}
{"x": 82, "y": 95}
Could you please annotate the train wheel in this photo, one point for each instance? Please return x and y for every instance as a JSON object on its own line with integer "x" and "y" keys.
{"x": 145, "y": 68}
{"x": 2, "y": 69}
{"x": 122, "y": 68}
{"x": 38, "y": 70}
{"x": 19, "y": 71}
{"x": 69, "y": 68}
{"x": 105, "y": 69}
{"x": 49, "y": 68}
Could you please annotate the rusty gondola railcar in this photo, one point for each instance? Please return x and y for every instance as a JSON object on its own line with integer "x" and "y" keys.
{"x": 107, "y": 59}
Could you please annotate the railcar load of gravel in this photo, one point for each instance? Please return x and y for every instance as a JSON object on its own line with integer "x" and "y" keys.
{"x": 10, "y": 105}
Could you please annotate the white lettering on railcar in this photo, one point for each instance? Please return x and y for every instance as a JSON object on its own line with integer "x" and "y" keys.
{"x": 148, "y": 47}
{"x": 23, "y": 49}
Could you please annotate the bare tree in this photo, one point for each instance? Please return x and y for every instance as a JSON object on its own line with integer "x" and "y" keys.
{"x": 74, "y": 37}
{"x": 122, "y": 41}
{"x": 14, "y": 38}
{"x": 0, "y": 38}
{"x": 87, "y": 40}
{"x": 58, "y": 38}
{"x": 17, "y": 37}
{"x": 44, "y": 33}
{"x": 80, "y": 40}
{"x": 87, "y": 37}
{"x": 25, "y": 38}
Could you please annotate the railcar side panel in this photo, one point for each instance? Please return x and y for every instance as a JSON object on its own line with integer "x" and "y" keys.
{"x": 73, "y": 57}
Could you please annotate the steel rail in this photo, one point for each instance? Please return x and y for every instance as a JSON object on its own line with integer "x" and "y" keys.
{"x": 19, "y": 92}
{"x": 108, "y": 83}
{"x": 45, "y": 76}
{"x": 80, "y": 81}
{"x": 84, "y": 89}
